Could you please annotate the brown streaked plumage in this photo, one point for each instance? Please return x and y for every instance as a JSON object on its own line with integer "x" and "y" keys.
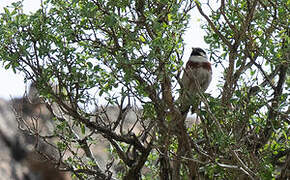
{"x": 196, "y": 65}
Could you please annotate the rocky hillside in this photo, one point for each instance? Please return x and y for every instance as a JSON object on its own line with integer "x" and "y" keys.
{"x": 18, "y": 158}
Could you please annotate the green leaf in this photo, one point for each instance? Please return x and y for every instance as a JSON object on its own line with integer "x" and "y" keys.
{"x": 6, "y": 10}
{"x": 169, "y": 17}
{"x": 90, "y": 65}
{"x": 252, "y": 72}
{"x": 83, "y": 128}
{"x": 142, "y": 38}
{"x": 7, "y": 66}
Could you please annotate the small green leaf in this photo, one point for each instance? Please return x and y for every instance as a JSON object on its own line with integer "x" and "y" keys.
{"x": 169, "y": 16}
{"x": 142, "y": 38}
{"x": 6, "y": 10}
{"x": 7, "y": 66}
{"x": 83, "y": 129}
{"x": 252, "y": 72}
{"x": 90, "y": 65}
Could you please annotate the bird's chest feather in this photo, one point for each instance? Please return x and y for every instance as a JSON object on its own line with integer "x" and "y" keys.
{"x": 197, "y": 71}
{"x": 198, "y": 65}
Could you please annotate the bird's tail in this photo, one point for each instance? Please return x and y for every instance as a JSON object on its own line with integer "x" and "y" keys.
{"x": 186, "y": 101}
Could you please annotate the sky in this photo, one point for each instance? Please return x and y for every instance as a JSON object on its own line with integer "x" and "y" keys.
{"x": 13, "y": 84}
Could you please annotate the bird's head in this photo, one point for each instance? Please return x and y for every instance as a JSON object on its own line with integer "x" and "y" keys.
{"x": 198, "y": 52}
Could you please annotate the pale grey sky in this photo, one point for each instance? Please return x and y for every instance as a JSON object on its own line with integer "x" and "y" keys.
{"x": 13, "y": 85}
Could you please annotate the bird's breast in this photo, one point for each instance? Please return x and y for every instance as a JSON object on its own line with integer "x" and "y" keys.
{"x": 195, "y": 65}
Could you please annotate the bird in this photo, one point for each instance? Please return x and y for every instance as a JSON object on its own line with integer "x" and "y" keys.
{"x": 196, "y": 77}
